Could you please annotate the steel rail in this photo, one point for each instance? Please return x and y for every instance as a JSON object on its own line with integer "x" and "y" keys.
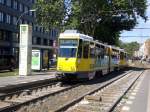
{"x": 120, "y": 98}
{"x": 73, "y": 102}
{"x": 16, "y": 106}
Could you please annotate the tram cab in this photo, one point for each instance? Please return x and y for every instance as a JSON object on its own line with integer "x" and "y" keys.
{"x": 76, "y": 55}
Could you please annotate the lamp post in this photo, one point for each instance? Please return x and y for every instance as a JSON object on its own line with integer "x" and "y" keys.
{"x": 32, "y": 10}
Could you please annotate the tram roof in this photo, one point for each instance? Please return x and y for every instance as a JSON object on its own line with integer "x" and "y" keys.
{"x": 115, "y": 48}
{"x": 75, "y": 36}
{"x": 100, "y": 43}
{"x": 119, "y": 49}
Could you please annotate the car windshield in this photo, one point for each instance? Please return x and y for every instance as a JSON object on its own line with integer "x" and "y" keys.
{"x": 67, "y": 52}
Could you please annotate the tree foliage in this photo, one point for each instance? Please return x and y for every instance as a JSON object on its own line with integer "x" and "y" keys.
{"x": 102, "y": 19}
{"x": 50, "y": 13}
{"x": 130, "y": 47}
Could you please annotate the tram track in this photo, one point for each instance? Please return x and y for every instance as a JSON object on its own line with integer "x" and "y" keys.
{"x": 106, "y": 99}
{"x": 61, "y": 100}
{"x": 12, "y": 101}
{"x": 56, "y": 99}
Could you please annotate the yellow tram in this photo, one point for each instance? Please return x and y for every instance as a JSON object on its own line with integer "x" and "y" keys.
{"x": 80, "y": 56}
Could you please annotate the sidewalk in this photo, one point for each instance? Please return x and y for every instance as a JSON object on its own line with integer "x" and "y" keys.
{"x": 139, "y": 99}
{"x": 16, "y": 81}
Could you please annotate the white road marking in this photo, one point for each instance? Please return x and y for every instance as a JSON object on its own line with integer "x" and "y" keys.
{"x": 84, "y": 102}
{"x": 135, "y": 90}
{"x": 24, "y": 82}
{"x": 148, "y": 101}
{"x": 125, "y": 108}
{"x": 129, "y": 102}
{"x": 131, "y": 97}
{"x": 133, "y": 93}
{"x": 34, "y": 80}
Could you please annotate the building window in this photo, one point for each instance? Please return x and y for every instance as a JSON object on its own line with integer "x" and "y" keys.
{"x": 8, "y": 18}
{"x": 53, "y": 33}
{"x": 34, "y": 40}
{"x": 4, "y": 35}
{"x": 25, "y": 22}
{"x": 50, "y": 42}
{"x": 38, "y": 28}
{"x": 26, "y": 9}
{"x": 14, "y": 20}
{"x": 1, "y": 35}
{"x": 39, "y": 41}
{"x": 34, "y": 28}
{"x": 30, "y": 13}
{"x": 33, "y": 1}
{"x": 20, "y": 7}
{"x": 15, "y": 4}
{"x": 8, "y": 3}
{"x": 45, "y": 42}
{"x": 34, "y": 14}
{"x": 15, "y": 37}
{"x": 2, "y": 1}
{"x": 21, "y": 21}
{"x": 1, "y": 17}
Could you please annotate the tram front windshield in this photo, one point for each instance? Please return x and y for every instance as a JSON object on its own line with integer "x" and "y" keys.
{"x": 68, "y": 48}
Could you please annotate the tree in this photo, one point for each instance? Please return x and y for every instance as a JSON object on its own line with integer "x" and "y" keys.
{"x": 130, "y": 47}
{"x": 102, "y": 19}
{"x": 50, "y": 13}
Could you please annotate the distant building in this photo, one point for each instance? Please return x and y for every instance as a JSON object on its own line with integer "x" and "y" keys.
{"x": 144, "y": 50}
{"x": 147, "y": 48}
{"x": 10, "y": 11}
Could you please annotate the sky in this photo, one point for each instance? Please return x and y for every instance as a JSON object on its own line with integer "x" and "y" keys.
{"x": 141, "y": 34}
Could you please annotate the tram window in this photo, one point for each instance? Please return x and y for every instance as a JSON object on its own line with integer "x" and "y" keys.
{"x": 121, "y": 55}
{"x": 102, "y": 51}
{"x": 114, "y": 54}
{"x": 67, "y": 52}
{"x": 85, "y": 50}
{"x": 80, "y": 49}
{"x": 68, "y": 42}
{"x": 92, "y": 50}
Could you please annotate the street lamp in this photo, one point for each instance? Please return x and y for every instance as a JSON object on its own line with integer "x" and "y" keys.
{"x": 32, "y": 10}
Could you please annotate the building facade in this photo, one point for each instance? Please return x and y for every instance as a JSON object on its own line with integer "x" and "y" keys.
{"x": 10, "y": 12}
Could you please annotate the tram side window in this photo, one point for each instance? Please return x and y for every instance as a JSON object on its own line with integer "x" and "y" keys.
{"x": 121, "y": 56}
{"x": 92, "y": 50}
{"x": 102, "y": 52}
{"x": 85, "y": 49}
{"x": 98, "y": 51}
{"x": 114, "y": 54}
{"x": 80, "y": 49}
